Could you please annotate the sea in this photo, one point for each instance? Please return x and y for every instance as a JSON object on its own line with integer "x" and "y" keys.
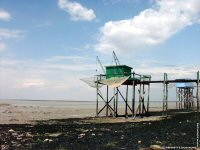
{"x": 80, "y": 104}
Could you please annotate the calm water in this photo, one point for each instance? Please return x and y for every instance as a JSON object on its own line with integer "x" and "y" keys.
{"x": 78, "y": 104}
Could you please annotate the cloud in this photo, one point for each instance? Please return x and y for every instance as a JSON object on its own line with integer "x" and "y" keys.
{"x": 106, "y": 2}
{"x": 44, "y": 80}
{"x": 33, "y": 83}
{"x": 76, "y": 10}
{"x": 151, "y": 27}
{"x": 5, "y": 33}
{"x": 174, "y": 72}
{"x": 2, "y": 47}
{"x": 4, "y": 15}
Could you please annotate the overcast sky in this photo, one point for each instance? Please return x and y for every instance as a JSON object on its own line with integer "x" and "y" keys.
{"x": 46, "y": 46}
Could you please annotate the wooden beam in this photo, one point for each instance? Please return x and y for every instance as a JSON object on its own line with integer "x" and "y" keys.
{"x": 133, "y": 99}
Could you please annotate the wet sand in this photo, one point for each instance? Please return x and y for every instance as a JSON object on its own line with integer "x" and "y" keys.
{"x": 13, "y": 114}
{"x": 51, "y": 128}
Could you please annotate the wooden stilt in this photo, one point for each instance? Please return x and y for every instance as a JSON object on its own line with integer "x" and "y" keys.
{"x": 97, "y": 101}
{"x": 126, "y": 103}
{"x": 148, "y": 98}
{"x": 133, "y": 99}
{"x": 117, "y": 103}
{"x": 143, "y": 92}
{"x": 140, "y": 96}
{"x": 107, "y": 103}
{"x": 198, "y": 76}
{"x": 114, "y": 107}
{"x": 165, "y": 95}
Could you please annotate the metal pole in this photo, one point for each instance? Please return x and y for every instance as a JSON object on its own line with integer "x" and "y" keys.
{"x": 133, "y": 100}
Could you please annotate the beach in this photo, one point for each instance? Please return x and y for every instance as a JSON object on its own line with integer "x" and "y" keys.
{"x": 26, "y": 125}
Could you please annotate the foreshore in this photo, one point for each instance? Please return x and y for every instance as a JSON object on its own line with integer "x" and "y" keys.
{"x": 51, "y": 128}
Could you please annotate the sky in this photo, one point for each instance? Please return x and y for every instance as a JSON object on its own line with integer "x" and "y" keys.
{"x": 47, "y": 46}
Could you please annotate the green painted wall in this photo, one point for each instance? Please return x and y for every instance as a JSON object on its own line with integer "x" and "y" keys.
{"x": 118, "y": 71}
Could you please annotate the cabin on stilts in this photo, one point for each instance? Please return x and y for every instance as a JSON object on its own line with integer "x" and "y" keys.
{"x": 116, "y": 77}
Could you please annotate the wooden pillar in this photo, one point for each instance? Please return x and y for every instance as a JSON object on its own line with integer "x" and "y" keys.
{"x": 198, "y": 76}
{"x": 148, "y": 98}
{"x": 114, "y": 103}
{"x": 133, "y": 99}
{"x": 117, "y": 103}
{"x": 140, "y": 96}
{"x": 126, "y": 105}
{"x": 143, "y": 92}
{"x": 165, "y": 95}
{"x": 107, "y": 103}
{"x": 97, "y": 100}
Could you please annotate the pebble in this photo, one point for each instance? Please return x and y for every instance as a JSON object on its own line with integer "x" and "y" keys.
{"x": 14, "y": 134}
{"x": 156, "y": 147}
{"x": 29, "y": 135}
{"x": 81, "y": 135}
{"x": 55, "y": 134}
{"x": 93, "y": 134}
{"x": 11, "y": 131}
{"x": 48, "y": 140}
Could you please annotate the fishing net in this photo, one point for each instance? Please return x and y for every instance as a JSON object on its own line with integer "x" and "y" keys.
{"x": 92, "y": 82}
{"x": 114, "y": 81}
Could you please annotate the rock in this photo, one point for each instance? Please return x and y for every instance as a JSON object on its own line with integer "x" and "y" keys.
{"x": 19, "y": 145}
{"x": 158, "y": 142}
{"x": 55, "y": 134}
{"x": 19, "y": 138}
{"x": 139, "y": 142}
{"x": 29, "y": 135}
{"x": 183, "y": 134}
{"x": 14, "y": 134}
{"x": 156, "y": 147}
{"x": 48, "y": 140}
{"x": 11, "y": 131}
{"x": 93, "y": 134}
{"x": 81, "y": 135}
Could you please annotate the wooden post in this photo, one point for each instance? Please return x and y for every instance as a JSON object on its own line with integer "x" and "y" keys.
{"x": 143, "y": 92}
{"x": 117, "y": 103}
{"x": 97, "y": 101}
{"x": 133, "y": 100}
{"x": 140, "y": 96}
{"x": 107, "y": 103}
{"x": 198, "y": 76}
{"x": 164, "y": 89}
{"x": 148, "y": 98}
{"x": 165, "y": 95}
{"x": 126, "y": 105}
{"x": 114, "y": 103}
{"x": 177, "y": 99}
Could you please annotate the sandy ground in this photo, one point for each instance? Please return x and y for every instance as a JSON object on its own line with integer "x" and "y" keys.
{"x": 11, "y": 114}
